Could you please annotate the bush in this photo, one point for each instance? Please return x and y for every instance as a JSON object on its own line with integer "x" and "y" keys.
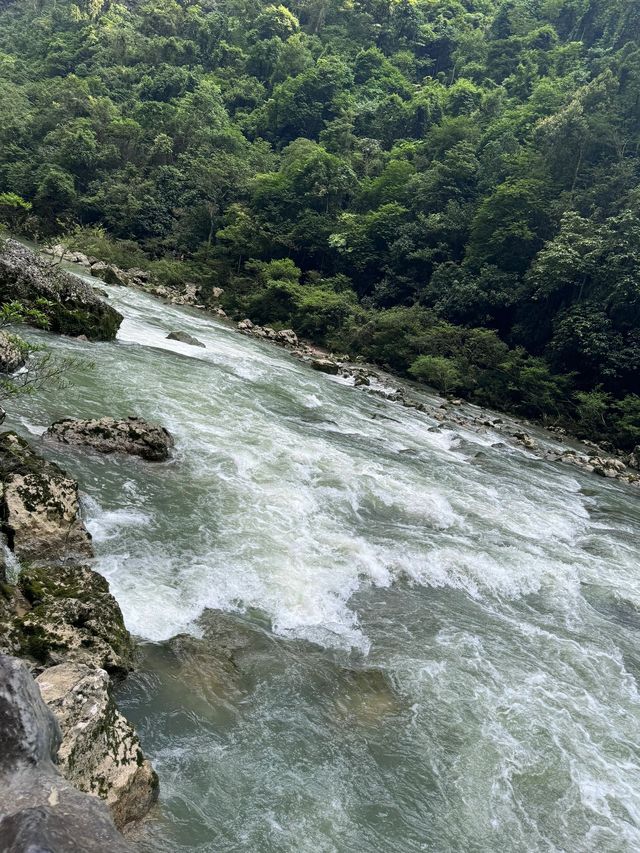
{"x": 96, "y": 243}
{"x": 626, "y": 417}
{"x": 435, "y": 370}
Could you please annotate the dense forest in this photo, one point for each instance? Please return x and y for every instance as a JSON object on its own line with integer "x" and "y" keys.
{"x": 446, "y": 187}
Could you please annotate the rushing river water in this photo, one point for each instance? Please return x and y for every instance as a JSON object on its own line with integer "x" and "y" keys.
{"x": 412, "y": 641}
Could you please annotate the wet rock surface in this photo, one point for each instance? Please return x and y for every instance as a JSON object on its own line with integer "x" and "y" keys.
{"x": 59, "y": 617}
{"x": 70, "y": 304}
{"x": 325, "y": 365}
{"x": 40, "y": 810}
{"x": 132, "y": 436}
{"x": 60, "y": 613}
{"x": 100, "y": 752}
{"x": 184, "y": 338}
{"x": 40, "y": 509}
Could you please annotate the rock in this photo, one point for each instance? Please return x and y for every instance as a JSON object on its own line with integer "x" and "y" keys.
{"x": 245, "y": 325}
{"x": 287, "y": 337}
{"x": 607, "y": 467}
{"x": 525, "y": 440}
{"x": 41, "y": 812}
{"x": 220, "y": 312}
{"x": 69, "y": 303}
{"x": 216, "y": 292}
{"x": 100, "y": 752}
{"x": 633, "y": 459}
{"x": 138, "y": 275}
{"x": 325, "y": 365}
{"x": 40, "y": 507}
{"x": 12, "y": 354}
{"x": 191, "y": 293}
{"x": 58, "y": 250}
{"x": 184, "y": 338}
{"x": 67, "y": 614}
{"x": 83, "y": 338}
{"x": 109, "y": 273}
{"x": 78, "y": 258}
{"x": 365, "y": 698}
{"x": 108, "y": 435}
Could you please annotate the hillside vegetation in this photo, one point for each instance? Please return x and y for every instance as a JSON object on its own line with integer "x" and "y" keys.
{"x": 447, "y": 188}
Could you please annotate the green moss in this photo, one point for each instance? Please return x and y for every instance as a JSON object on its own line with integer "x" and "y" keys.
{"x": 99, "y": 325}
{"x": 32, "y": 589}
{"x": 34, "y": 642}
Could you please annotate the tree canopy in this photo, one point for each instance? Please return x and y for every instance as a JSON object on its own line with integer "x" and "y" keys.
{"x": 390, "y": 177}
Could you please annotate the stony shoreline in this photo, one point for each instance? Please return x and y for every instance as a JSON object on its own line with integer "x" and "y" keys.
{"x": 59, "y": 619}
{"x": 63, "y": 642}
{"x": 588, "y": 456}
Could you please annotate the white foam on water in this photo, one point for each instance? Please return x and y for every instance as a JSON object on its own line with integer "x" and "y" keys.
{"x": 297, "y": 522}
{"x": 293, "y": 494}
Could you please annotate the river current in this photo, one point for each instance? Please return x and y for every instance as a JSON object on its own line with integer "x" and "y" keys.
{"x": 396, "y": 637}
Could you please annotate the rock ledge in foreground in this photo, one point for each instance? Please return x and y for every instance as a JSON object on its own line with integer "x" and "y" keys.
{"x": 100, "y": 752}
{"x": 39, "y": 810}
{"x": 133, "y": 436}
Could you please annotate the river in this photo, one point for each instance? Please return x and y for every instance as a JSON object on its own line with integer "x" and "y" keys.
{"x": 412, "y": 640}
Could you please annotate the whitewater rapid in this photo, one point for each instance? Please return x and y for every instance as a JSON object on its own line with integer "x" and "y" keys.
{"x": 498, "y": 594}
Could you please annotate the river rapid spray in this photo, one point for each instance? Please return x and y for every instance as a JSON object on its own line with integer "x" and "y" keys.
{"x": 447, "y": 631}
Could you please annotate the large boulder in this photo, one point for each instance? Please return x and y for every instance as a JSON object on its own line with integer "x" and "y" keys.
{"x": 40, "y": 811}
{"x": 109, "y": 435}
{"x": 100, "y": 752}
{"x": 40, "y": 509}
{"x": 326, "y": 365}
{"x": 185, "y": 338}
{"x": 66, "y": 613}
{"x": 69, "y": 303}
{"x": 109, "y": 273}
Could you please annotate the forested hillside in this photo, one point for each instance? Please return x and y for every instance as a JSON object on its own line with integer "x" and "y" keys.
{"x": 447, "y": 188}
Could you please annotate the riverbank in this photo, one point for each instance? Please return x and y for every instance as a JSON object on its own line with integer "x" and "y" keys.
{"x": 554, "y": 445}
{"x": 484, "y": 595}
{"x": 59, "y": 623}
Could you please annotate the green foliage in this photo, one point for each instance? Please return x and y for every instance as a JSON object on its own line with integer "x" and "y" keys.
{"x": 417, "y": 165}
{"x": 14, "y": 313}
{"x": 95, "y": 242}
{"x": 435, "y": 370}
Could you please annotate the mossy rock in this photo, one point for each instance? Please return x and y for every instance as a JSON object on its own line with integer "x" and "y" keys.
{"x": 70, "y": 304}
{"x": 73, "y": 616}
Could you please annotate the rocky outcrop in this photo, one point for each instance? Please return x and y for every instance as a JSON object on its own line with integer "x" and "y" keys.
{"x": 39, "y": 809}
{"x": 70, "y": 304}
{"x": 40, "y": 510}
{"x": 60, "y": 618}
{"x": 326, "y": 365}
{"x": 132, "y": 435}
{"x": 284, "y": 337}
{"x": 109, "y": 273}
{"x": 12, "y": 353}
{"x": 61, "y": 613}
{"x": 184, "y": 338}
{"x": 100, "y": 752}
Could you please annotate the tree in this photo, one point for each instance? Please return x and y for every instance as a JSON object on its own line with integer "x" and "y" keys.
{"x": 435, "y": 370}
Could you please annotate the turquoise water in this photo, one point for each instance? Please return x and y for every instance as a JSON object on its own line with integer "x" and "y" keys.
{"x": 394, "y": 637}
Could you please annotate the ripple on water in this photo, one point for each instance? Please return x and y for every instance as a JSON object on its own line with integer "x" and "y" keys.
{"x": 444, "y": 634}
